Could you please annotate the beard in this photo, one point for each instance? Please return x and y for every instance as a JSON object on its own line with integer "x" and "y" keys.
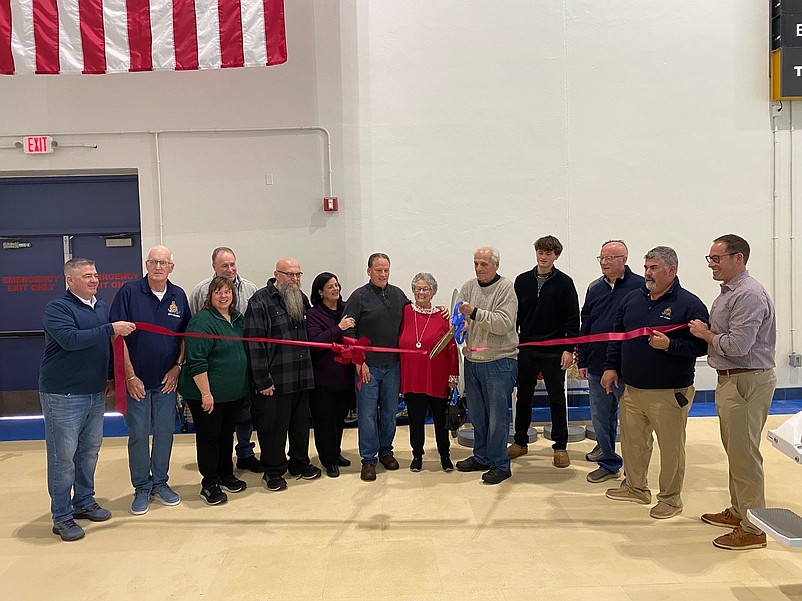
{"x": 293, "y": 300}
{"x": 650, "y": 285}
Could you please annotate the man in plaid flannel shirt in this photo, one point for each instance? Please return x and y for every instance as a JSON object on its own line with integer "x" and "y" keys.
{"x": 282, "y": 375}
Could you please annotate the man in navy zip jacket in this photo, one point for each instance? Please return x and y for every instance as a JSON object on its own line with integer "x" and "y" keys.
{"x": 659, "y": 372}
{"x": 74, "y": 376}
{"x": 602, "y": 300}
{"x": 548, "y": 308}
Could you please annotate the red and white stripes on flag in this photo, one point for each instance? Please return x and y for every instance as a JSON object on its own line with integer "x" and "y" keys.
{"x": 113, "y": 36}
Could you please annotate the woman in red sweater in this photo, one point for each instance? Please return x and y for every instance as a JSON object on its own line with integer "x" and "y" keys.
{"x": 426, "y": 383}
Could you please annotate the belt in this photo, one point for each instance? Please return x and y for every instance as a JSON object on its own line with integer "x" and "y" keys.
{"x": 735, "y": 372}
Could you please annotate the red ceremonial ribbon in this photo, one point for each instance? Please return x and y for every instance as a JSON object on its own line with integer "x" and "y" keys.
{"x": 600, "y": 337}
{"x": 352, "y": 351}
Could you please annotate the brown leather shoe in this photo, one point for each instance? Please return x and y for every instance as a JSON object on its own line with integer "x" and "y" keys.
{"x": 561, "y": 459}
{"x": 368, "y": 472}
{"x": 739, "y": 540}
{"x": 722, "y": 519}
{"x": 389, "y": 462}
{"x": 516, "y": 450}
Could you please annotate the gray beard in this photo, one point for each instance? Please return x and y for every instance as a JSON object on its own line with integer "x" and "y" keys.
{"x": 293, "y": 300}
{"x": 650, "y": 285}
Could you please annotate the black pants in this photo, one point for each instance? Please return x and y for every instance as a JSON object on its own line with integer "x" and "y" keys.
{"x": 417, "y": 404}
{"x": 214, "y": 438}
{"x": 329, "y": 407}
{"x": 530, "y": 363}
{"x": 277, "y": 418}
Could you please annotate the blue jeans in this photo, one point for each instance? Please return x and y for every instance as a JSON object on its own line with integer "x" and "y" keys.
{"x": 377, "y": 403}
{"x": 604, "y": 415}
{"x": 73, "y": 434}
{"x": 156, "y": 412}
{"x": 488, "y": 394}
{"x": 244, "y": 429}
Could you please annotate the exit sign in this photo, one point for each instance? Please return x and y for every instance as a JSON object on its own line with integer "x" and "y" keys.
{"x": 37, "y": 144}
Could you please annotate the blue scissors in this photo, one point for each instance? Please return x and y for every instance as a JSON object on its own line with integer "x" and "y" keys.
{"x": 458, "y": 322}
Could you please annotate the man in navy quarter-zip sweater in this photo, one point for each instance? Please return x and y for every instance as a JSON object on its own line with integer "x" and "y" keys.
{"x": 548, "y": 308}
{"x": 76, "y": 373}
{"x": 602, "y": 300}
{"x": 659, "y": 372}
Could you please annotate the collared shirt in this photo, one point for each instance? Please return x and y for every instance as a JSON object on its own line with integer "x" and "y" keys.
{"x": 89, "y": 303}
{"x": 245, "y": 290}
{"x": 152, "y": 355}
{"x": 287, "y": 367}
{"x": 746, "y": 329}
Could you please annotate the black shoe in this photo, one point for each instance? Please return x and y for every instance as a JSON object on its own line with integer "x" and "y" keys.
{"x": 213, "y": 495}
{"x": 309, "y": 472}
{"x": 250, "y": 464}
{"x": 232, "y": 484}
{"x": 342, "y": 461}
{"x": 472, "y": 465}
{"x": 416, "y": 465}
{"x": 594, "y": 455}
{"x": 446, "y": 464}
{"x": 495, "y": 475}
{"x": 274, "y": 483}
{"x": 333, "y": 471}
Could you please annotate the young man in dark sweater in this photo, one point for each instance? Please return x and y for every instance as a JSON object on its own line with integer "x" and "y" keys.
{"x": 548, "y": 308}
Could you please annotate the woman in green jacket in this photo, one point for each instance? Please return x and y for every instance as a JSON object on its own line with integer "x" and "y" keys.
{"x": 214, "y": 383}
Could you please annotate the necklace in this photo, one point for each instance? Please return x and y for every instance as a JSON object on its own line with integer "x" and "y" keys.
{"x": 417, "y": 337}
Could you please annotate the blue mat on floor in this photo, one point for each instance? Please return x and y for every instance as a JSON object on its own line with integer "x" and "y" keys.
{"x": 33, "y": 428}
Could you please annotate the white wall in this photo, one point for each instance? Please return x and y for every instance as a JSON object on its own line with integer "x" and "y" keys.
{"x": 457, "y": 124}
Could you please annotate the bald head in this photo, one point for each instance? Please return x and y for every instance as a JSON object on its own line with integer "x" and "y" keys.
{"x": 288, "y": 271}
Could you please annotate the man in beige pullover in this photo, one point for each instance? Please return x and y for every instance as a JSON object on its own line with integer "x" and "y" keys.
{"x": 490, "y": 307}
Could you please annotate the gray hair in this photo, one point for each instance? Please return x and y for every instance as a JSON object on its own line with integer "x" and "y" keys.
{"x": 160, "y": 247}
{"x": 665, "y": 253}
{"x": 495, "y": 256}
{"x": 428, "y": 278}
{"x": 74, "y": 265}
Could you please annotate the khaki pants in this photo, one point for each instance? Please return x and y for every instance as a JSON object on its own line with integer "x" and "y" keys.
{"x": 742, "y": 404}
{"x": 644, "y": 412}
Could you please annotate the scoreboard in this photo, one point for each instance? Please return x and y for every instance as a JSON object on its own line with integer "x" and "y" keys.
{"x": 786, "y": 49}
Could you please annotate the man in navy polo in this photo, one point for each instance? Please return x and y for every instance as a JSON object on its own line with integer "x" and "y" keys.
{"x": 152, "y": 365}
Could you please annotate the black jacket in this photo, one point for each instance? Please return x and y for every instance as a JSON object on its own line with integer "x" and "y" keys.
{"x": 553, "y": 313}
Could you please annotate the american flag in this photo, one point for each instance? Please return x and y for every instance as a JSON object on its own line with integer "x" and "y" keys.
{"x": 113, "y": 36}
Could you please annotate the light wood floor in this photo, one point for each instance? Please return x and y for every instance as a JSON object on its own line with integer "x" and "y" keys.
{"x": 545, "y": 534}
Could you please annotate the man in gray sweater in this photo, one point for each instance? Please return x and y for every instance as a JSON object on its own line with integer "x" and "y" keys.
{"x": 490, "y": 307}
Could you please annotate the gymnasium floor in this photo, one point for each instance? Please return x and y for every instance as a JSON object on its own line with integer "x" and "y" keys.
{"x": 544, "y": 534}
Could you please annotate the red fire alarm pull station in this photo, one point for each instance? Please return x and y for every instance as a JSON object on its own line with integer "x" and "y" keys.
{"x": 330, "y": 203}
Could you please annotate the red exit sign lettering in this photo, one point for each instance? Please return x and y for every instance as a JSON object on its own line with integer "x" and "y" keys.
{"x": 37, "y": 144}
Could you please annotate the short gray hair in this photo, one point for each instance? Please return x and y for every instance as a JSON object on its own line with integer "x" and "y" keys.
{"x": 495, "y": 256}
{"x": 428, "y": 278}
{"x": 665, "y": 253}
{"x": 74, "y": 265}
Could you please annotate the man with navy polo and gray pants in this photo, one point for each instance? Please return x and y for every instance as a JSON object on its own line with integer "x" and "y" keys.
{"x": 73, "y": 380}
{"x": 602, "y": 300}
{"x": 152, "y": 365}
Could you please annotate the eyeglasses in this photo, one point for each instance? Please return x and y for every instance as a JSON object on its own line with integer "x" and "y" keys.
{"x": 717, "y": 258}
{"x": 421, "y": 290}
{"x": 609, "y": 258}
{"x": 153, "y": 262}
{"x": 292, "y": 275}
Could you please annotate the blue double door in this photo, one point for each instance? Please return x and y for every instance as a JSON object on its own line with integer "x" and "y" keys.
{"x": 45, "y": 221}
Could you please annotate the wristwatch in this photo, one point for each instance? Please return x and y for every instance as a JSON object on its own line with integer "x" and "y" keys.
{"x": 180, "y": 364}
